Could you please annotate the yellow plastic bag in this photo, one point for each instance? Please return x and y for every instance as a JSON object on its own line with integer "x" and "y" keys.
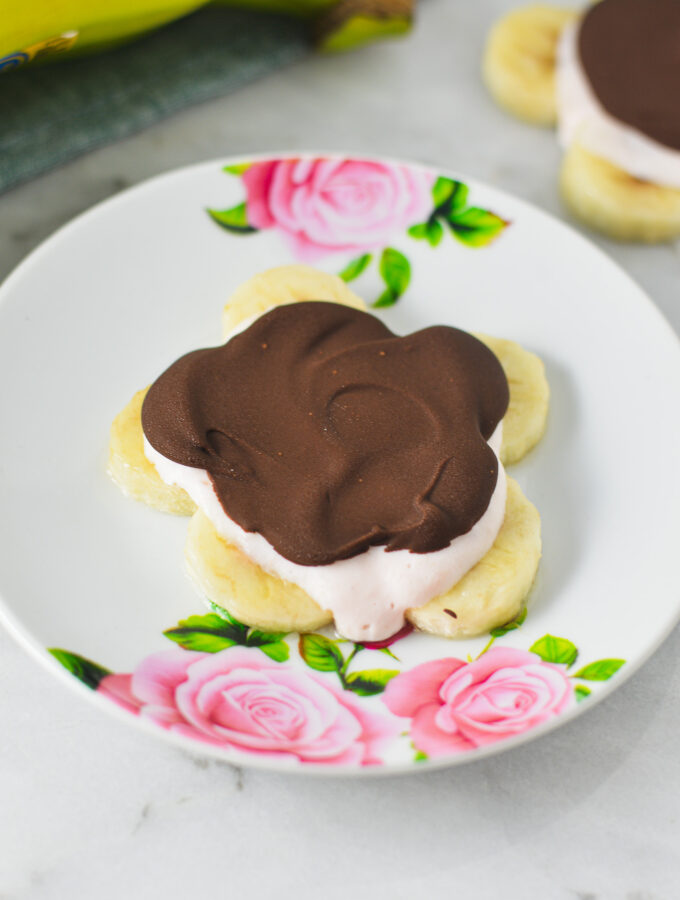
{"x": 36, "y": 30}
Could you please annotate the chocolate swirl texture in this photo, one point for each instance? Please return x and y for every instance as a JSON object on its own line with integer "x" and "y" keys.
{"x": 326, "y": 433}
{"x": 630, "y": 53}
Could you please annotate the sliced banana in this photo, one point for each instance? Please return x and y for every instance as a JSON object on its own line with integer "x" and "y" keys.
{"x": 519, "y": 61}
{"x": 524, "y": 422}
{"x": 493, "y": 591}
{"x": 229, "y": 578}
{"x": 281, "y": 286}
{"x": 612, "y": 201}
{"x": 132, "y": 471}
{"x": 489, "y": 595}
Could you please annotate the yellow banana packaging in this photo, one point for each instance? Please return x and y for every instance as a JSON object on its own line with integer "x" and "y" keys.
{"x": 37, "y": 31}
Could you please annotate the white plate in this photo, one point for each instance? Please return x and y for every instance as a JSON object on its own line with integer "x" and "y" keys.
{"x": 107, "y": 303}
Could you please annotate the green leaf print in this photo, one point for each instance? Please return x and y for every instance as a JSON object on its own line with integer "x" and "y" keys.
{"x": 90, "y": 673}
{"x": 277, "y": 650}
{"x": 555, "y": 649}
{"x": 320, "y": 653}
{"x": 395, "y": 270}
{"x": 234, "y": 219}
{"x": 475, "y": 227}
{"x": 237, "y": 168}
{"x": 600, "y": 670}
{"x": 201, "y": 641}
{"x": 370, "y": 681}
{"x": 509, "y": 626}
{"x": 219, "y": 631}
{"x": 449, "y": 195}
{"x": 354, "y": 268}
{"x": 430, "y": 231}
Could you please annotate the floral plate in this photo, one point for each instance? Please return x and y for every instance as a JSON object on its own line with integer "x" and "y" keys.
{"x": 92, "y": 582}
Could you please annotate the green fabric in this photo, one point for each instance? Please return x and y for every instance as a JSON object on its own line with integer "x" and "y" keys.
{"x": 51, "y": 114}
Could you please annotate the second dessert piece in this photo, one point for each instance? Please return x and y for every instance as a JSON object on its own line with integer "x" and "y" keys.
{"x": 609, "y": 79}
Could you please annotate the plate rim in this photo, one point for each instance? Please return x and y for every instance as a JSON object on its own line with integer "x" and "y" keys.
{"x": 36, "y": 650}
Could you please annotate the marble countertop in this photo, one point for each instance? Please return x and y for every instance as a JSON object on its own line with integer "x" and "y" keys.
{"x": 93, "y": 809}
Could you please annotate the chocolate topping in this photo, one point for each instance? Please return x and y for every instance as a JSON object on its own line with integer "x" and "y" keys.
{"x": 327, "y": 434}
{"x": 630, "y": 52}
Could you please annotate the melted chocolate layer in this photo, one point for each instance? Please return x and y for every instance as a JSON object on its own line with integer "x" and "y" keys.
{"x": 327, "y": 434}
{"x": 630, "y": 52}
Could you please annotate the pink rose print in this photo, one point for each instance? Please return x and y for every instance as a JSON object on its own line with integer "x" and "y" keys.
{"x": 328, "y": 205}
{"x": 239, "y": 699}
{"x": 458, "y": 706}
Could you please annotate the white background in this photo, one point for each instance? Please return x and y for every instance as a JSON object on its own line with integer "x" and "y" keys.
{"x": 91, "y": 808}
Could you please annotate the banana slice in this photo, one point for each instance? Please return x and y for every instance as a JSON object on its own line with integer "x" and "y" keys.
{"x": 489, "y": 595}
{"x": 524, "y": 422}
{"x": 493, "y": 592}
{"x": 229, "y": 578}
{"x": 280, "y": 286}
{"x": 132, "y": 471}
{"x": 616, "y": 203}
{"x": 519, "y": 61}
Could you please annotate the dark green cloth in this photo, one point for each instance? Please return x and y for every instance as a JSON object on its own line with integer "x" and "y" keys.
{"x": 51, "y": 114}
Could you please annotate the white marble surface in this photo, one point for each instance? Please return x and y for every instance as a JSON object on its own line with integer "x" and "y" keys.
{"x": 89, "y": 808}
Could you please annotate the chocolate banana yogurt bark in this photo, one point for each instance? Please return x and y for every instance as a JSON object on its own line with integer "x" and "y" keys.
{"x": 611, "y": 78}
{"x": 360, "y": 465}
{"x": 343, "y": 473}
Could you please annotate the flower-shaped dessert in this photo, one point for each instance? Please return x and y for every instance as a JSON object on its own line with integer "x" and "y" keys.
{"x": 341, "y": 472}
